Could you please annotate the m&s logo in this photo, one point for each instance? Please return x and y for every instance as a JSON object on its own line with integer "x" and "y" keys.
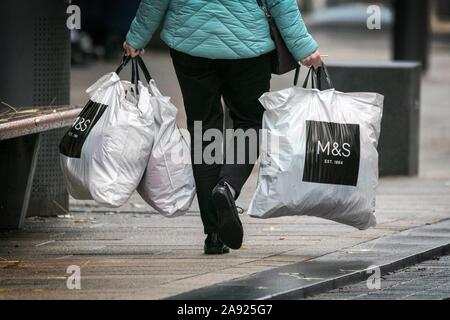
{"x": 81, "y": 124}
{"x": 332, "y": 153}
{"x": 334, "y": 149}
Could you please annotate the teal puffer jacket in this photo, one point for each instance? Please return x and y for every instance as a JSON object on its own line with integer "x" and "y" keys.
{"x": 221, "y": 29}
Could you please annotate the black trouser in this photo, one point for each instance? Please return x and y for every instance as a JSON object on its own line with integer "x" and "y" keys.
{"x": 203, "y": 83}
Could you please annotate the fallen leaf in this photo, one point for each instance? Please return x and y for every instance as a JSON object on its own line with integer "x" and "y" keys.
{"x": 65, "y": 216}
{"x": 29, "y": 111}
{"x": 14, "y": 264}
{"x": 64, "y": 257}
{"x": 44, "y": 243}
{"x": 422, "y": 269}
{"x": 272, "y": 228}
{"x": 299, "y": 276}
{"x": 358, "y": 250}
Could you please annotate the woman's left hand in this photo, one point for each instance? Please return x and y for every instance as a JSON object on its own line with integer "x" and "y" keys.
{"x": 313, "y": 60}
{"x": 133, "y": 52}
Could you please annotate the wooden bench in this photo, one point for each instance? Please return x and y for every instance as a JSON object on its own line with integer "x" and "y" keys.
{"x": 19, "y": 145}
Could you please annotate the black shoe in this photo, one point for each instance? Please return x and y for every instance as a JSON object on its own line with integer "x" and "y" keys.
{"x": 213, "y": 245}
{"x": 230, "y": 226}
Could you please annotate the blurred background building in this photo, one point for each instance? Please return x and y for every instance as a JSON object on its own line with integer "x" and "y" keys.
{"x": 105, "y": 22}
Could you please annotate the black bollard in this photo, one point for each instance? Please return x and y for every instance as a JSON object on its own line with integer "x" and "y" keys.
{"x": 412, "y": 31}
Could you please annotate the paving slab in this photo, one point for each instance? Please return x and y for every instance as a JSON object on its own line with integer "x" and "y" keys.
{"x": 335, "y": 269}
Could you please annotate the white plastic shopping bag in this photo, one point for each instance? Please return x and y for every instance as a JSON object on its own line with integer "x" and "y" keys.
{"x": 168, "y": 184}
{"x": 319, "y": 156}
{"x": 104, "y": 154}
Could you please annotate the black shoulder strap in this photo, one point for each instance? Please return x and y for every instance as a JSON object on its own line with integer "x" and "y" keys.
{"x": 264, "y": 8}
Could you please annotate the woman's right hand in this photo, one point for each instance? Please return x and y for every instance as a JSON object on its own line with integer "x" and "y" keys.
{"x": 130, "y": 51}
{"x": 313, "y": 60}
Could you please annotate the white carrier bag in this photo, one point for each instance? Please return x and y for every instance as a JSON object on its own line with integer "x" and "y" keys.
{"x": 319, "y": 154}
{"x": 168, "y": 184}
{"x": 104, "y": 154}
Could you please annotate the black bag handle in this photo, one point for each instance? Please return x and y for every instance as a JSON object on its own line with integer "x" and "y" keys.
{"x": 316, "y": 76}
{"x": 137, "y": 63}
{"x": 140, "y": 64}
{"x": 324, "y": 71}
{"x": 311, "y": 75}
{"x": 135, "y": 75}
{"x": 134, "y": 71}
{"x": 144, "y": 69}
{"x": 297, "y": 73}
{"x": 123, "y": 63}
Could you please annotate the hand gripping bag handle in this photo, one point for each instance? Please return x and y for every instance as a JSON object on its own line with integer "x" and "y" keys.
{"x": 137, "y": 63}
{"x": 316, "y": 76}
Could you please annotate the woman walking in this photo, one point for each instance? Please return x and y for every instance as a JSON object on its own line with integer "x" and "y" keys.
{"x": 221, "y": 49}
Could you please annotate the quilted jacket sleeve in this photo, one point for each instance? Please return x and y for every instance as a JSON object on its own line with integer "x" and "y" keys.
{"x": 292, "y": 28}
{"x": 147, "y": 20}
